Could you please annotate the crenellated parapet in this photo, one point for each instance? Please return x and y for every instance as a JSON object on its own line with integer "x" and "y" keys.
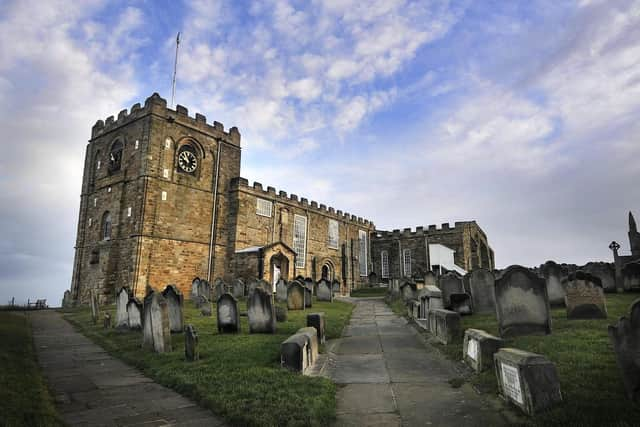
{"x": 257, "y": 189}
{"x": 157, "y": 105}
{"x": 422, "y": 231}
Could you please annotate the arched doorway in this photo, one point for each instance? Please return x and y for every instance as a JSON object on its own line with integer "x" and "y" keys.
{"x": 326, "y": 271}
{"x": 279, "y": 268}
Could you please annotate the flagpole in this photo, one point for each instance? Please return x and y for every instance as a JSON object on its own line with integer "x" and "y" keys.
{"x": 175, "y": 70}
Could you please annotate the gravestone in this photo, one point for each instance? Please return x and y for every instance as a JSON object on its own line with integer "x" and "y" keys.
{"x": 450, "y": 283}
{"x": 228, "y": 314}
{"x": 261, "y": 284}
{"x": 522, "y": 306}
{"x": 335, "y": 287}
{"x": 281, "y": 314}
{"x": 67, "y": 300}
{"x": 261, "y": 312}
{"x": 191, "y": 352}
{"x": 134, "y": 313}
{"x": 413, "y": 309}
{"x": 200, "y": 301}
{"x": 552, "y": 273}
{"x": 447, "y": 325}
{"x": 308, "y": 283}
{"x": 174, "y": 303}
{"x": 308, "y": 296}
{"x": 295, "y": 296}
{"x": 323, "y": 291}
{"x": 478, "y": 349}
{"x": 95, "y": 306}
{"x": 317, "y": 321}
{"x": 430, "y": 279}
{"x": 625, "y": 338}
{"x": 218, "y": 288}
{"x": 461, "y": 303}
{"x": 431, "y": 320}
{"x": 311, "y": 332}
{"x": 585, "y": 296}
{"x": 281, "y": 290}
{"x": 408, "y": 290}
{"x": 605, "y": 272}
{"x": 430, "y": 299}
{"x": 107, "y": 321}
{"x": 527, "y": 380}
{"x": 156, "y": 333}
{"x": 206, "y": 310}
{"x": 237, "y": 288}
{"x": 631, "y": 276}
{"x": 480, "y": 284}
{"x": 122, "y": 299}
{"x": 295, "y": 353}
{"x": 195, "y": 287}
{"x": 204, "y": 289}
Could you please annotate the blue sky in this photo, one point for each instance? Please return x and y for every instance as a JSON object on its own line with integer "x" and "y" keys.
{"x": 522, "y": 115}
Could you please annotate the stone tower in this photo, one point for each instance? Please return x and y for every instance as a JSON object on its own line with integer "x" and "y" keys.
{"x": 154, "y": 201}
{"x": 634, "y": 237}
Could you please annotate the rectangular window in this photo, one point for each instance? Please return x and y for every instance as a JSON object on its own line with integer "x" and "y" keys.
{"x": 90, "y": 221}
{"x": 165, "y": 173}
{"x": 362, "y": 243}
{"x": 98, "y": 165}
{"x": 263, "y": 207}
{"x": 406, "y": 258}
{"x": 129, "y": 211}
{"x": 164, "y": 195}
{"x": 334, "y": 235}
{"x": 300, "y": 239}
{"x": 384, "y": 255}
{"x": 95, "y": 202}
{"x": 137, "y": 144}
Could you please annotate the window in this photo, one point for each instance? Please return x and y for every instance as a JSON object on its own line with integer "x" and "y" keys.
{"x": 300, "y": 239}
{"x": 98, "y": 165}
{"x": 264, "y": 207}
{"x": 384, "y": 255}
{"x": 129, "y": 211}
{"x": 334, "y": 236}
{"x": 165, "y": 173}
{"x": 90, "y": 222}
{"x": 362, "y": 244}
{"x": 137, "y": 144}
{"x": 106, "y": 226}
{"x": 95, "y": 202}
{"x": 115, "y": 156}
{"x": 164, "y": 195}
{"x": 406, "y": 258}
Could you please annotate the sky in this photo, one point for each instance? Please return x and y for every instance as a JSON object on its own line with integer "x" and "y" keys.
{"x": 521, "y": 115}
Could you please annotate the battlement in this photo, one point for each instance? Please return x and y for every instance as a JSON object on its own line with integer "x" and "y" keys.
{"x": 155, "y": 104}
{"x": 281, "y": 196}
{"x": 422, "y": 231}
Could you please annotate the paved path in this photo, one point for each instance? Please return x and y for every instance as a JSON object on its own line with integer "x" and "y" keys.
{"x": 388, "y": 376}
{"x": 92, "y": 388}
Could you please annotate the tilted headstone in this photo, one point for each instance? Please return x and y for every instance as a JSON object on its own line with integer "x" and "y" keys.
{"x": 552, "y": 273}
{"x": 295, "y": 296}
{"x": 323, "y": 291}
{"x": 191, "y": 352}
{"x": 631, "y": 276}
{"x": 408, "y": 290}
{"x": 480, "y": 284}
{"x": 605, "y": 272}
{"x": 95, "y": 305}
{"x": 527, "y": 380}
{"x": 67, "y": 300}
{"x": 195, "y": 287}
{"x": 625, "y": 338}
{"x": 122, "y": 299}
{"x": 522, "y": 305}
{"x": 450, "y": 283}
{"x": 478, "y": 349}
{"x": 228, "y": 314}
{"x": 261, "y": 312}
{"x": 238, "y": 288}
{"x": 585, "y": 296}
{"x": 107, "y": 321}
{"x": 317, "y": 320}
{"x": 335, "y": 287}
{"x": 281, "y": 314}
{"x": 281, "y": 290}
{"x": 311, "y": 332}
{"x": 448, "y": 327}
{"x": 295, "y": 353}
{"x": 174, "y": 302}
{"x": 134, "y": 313}
{"x": 156, "y": 333}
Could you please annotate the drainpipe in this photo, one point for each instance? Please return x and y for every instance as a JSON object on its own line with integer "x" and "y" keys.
{"x": 213, "y": 211}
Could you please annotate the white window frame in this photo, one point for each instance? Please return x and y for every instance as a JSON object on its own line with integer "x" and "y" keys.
{"x": 363, "y": 250}
{"x": 300, "y": 243}
{"x": 333, "y": 234}
{"x": 406, "y": 256}
{"x": 264, "y": 207}
{"x": 384, "y": 264}
{"x": 164, "y": 196}
{"x": 129, "y": 211}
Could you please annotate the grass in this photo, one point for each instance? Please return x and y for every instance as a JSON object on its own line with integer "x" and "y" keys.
{"x": 24, "y": 397}
{"x": 238, "y": 376}
{"x": 369, "y": 292}
{"x": 590, "y": 380}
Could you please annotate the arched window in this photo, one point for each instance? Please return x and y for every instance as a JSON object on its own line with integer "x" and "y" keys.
{"x": 115, "y": 156}
{"x": 106, "y": 226}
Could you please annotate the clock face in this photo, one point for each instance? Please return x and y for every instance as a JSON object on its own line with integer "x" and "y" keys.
{"x": 187, "y": 161}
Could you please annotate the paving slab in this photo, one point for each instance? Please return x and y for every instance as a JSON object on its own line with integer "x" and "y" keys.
{"x": 360, "y": 345}
{"x": 365, "y": 398}
{"x": 360, "y": 368}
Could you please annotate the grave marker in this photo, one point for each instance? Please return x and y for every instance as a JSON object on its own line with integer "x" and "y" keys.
{"x": 174, "y": 301}
{"x": 228, "y": 314}
{"x": 261, "y": 312}
{"x": 281, "y": 290}
{"x": 156, "y": 333}
{"x": 295, "y": 296}
{"x": 479, "y": 347}
{"x": 553, "y": 274}
{"x": 134, "y": 313}
{"x": 122, "y": 299}
{"x": 480, "y": 284}
{"x": 585, "y": 296}
{"x": 191, "y": 352}
{"x": 625, "y": 338}
{"x": 323, "y": 291}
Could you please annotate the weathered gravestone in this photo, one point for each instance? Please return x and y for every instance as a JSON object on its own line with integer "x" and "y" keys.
{"x": 281, "y": 314}
{"x": 335, "y": 287}
{"x": 67, "y": 300}
{"x": 218, "y": 288}
{"x": 281, "y": 290}
{"x": 107, "y": 321}
{"x": 317, "y": 321}
{"x": 522, "y": 305}
{"x": 430, "y": 279}
{"x": 308, "y": 296}
{"x": 191, "y": 352}
{"x": 478, "y": 349}
{"x": 527, "y": 380}
{"x": 261, "y": 312}
{"x": 631, "y": 276}
{"x": 174, "y": 303}
{"x": 204, "y": 289}
{"x": 228, "y": 314}
{"x": 205, "y": 308}
{"x": 408, "y": 290}
{"x": 122, "y": 299}
{"x": 625, "y": 338}
{"x": 156, "y": 333}
{"x": 134, "y": 313}
{"x": 461, "y": 303}
{"x": 237, "y": 288}
{"x": 259, "y": 284}
{"x": 585, "y": 296}
{"x": 480, "y": 284}
{"x": 323, "y": 291}
{"x": 450, "y": 283}
{"x": 552, "y": 273}
{"x": 295, "y": 296}
{"x": 195, "y": 287}
{"x": 308, "y": 283}
{"x": 605, "y": 272}
{"x": 200, "y": 301}
{"x": 448, "y": 327}
{"x": 95, "y": 306}
{"x": 311, "y": 332}
{"x": 430, "y": 299}
{"x": 295, "y": 353}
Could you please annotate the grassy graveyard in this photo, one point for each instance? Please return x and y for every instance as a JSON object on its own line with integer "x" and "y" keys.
{"x": 590, "y": 380}
{"x": 24, "y": 397}
{"x": 238, "y": 376}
